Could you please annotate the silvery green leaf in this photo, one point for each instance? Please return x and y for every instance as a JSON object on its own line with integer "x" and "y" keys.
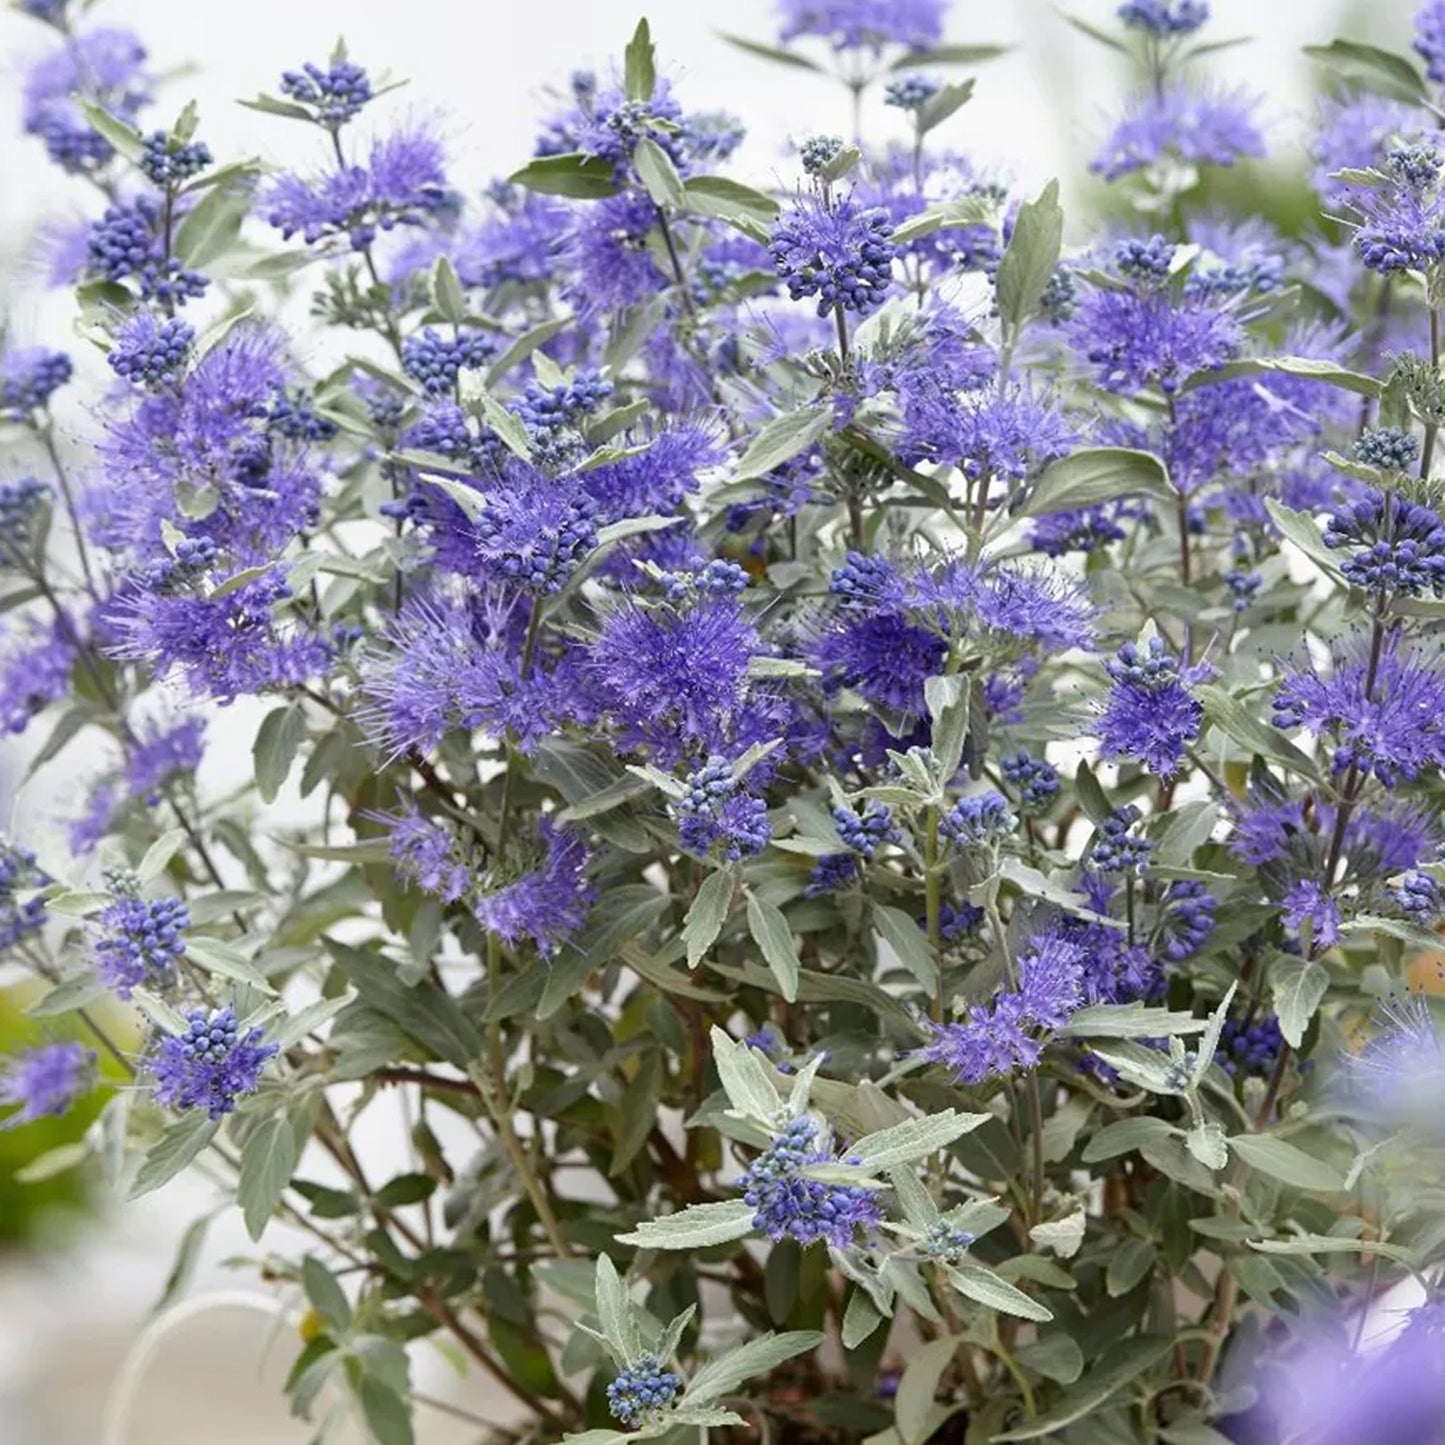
{"x": 914, "y": 1406}
{"x": 782, "y": 439}
{"x": 1210, "y": 1042}
{"x": 468, "y": 498}
{"x": 1298, "y": 986}
{"x": 1144, "y": 1067}
{"x": 729, "y": 200}
{"x": 1056, "y": 1356}
{"x": 447, "y": 294}
{"x": 1029, "y": 259}
{"x": 1337, "y": 1244}
{"x": 860, "y": 1319}
{"x": 1124, "y": 1136}
{"x": 707, "y": 915}
{"x": 586, "y": 178}
{"x": 224, "y": 961}
{"x": 770, "y": 931}
{"x": 268, "y": 1159}
{"x": 987, "y": 1288}
{"x": 668, "y": 1341}
{"x": 1382, "y": 71}
{"x": 69, "y": 994}
{"x": 1287, "y": 1163}
{"x": 159, "y": 855}
{"x": 746, "y": 1081}
{"x": 918, "y": 1205}
{"x": 1130, "y": 1021}
{"x": 915, "y": 1139}
{"x": 694, "y": 1227}
{"x": 615, "y": 1313}
{"x": 757, "y": 1357}
{"x": 1119, "y": 1365}
{"x": 802, "y": 1086}
{"x": 176, "y": 1148}
{"x": 1098, "y": 474}
{"x": 907, "y": 940}
{"x": 1129, "y": 1262}
{"x": 945, "y": 103}
{"x": 1062, "y": 1236}
{"x": 1206, "y": 1142}
{"x": 639, "y": 64}
{"x": 282, "y": 732}
{"x": 658, "y": 174}
{"x": 947, "y": 699}
{"x": 52, "y": 1162}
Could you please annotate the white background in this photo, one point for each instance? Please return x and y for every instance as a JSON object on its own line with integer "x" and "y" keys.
{"x": 485, "y": 65}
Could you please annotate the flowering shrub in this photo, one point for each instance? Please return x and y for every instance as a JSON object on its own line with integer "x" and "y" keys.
{"x": 870, "y": 778}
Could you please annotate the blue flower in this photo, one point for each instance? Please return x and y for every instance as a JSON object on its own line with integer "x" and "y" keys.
{"x": 150, "y": 350}
{"x": 1188, "y": 919}
{"x": 983, "y": 818}
{"x": 168, "y": 163}
{"x": 864, "y": 24}
{"x": 715, "y": 811}
{"x": 29, "y": 377}
{"x": 1249, "y": 1048}
{"x": 436, "y": 360}
{"x": 18, "y": 873}
{"x": 790, "y": 1206}
{"x": 1400, "y": 222}
{"x": 1164, "y": 17}
{"x": 1202, "y": 125}
{"x": 1001, "y": 1036}
{"x": 831, "y": 872}
{"x": 1401, "y": 544}
{"x": 141, "y": 940}
{"x": 865, "y": 833}
{"x": 402, "y": 183}
{"x": 1117, "y": 848}
{"x": 642, "y": 1390}
{"x": 210, "y": 1065}
{"x": 425, "y": 853}
{"x": 1150, "y": 714}
{"x": 1430, "y": 38}
{"x": 1387, "y": 719}
{"x": 107, "y": 66}
{"x": 336, "y": 94}
{"x": 1034, "y": 779}
{"x": 912, "y": 91}
{"x": 44, "y": 1082}
{"x": 835, "y": 250}
{"x": 548, "y": 904}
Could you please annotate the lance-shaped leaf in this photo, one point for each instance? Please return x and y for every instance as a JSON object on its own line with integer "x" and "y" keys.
{"x": 694, "y": 1227}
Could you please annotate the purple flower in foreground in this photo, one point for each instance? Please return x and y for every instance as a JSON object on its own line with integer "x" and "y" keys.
{"x": 791, "y": 1206}
{"x": 425, "y": 853}
{"x": 1001, "y": 1036}
{"x": 835, "y": 250}
{"x": 1325, "y": 1390}
{"x": 44, "y": 1081}
{"x": 210, "y": 1065}
{"x": 1387, "y": 718}
{"x": 1150, "y": 714}
{"x": 1308, "y": 903}
{"x": 548, "y": 904}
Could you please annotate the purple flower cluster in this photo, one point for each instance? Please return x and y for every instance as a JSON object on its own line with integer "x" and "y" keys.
{"x": 1003, "y": 1035}
{"x": 550, "y": 903}
{"x": 44, "y": 1082}
{"x": 1150, "y": 714}
{"x": 211, "y": 1065}
{"x": 141, "y": 940}
{"x": 837, "y": 251}
{"x": 789, "y": 1205}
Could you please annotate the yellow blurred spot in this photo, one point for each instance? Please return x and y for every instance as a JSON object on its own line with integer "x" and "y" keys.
{"x": 311, "y": 1325}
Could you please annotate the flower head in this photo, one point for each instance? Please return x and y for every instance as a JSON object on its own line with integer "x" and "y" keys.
{"x": 45, "y": 1081}
{"x": 791, "y": 1206}
{"x": 1201, "y": 125}
{"x": 211, "y": 1064}
{"x": 335, "y": 94}
{"x": 864, "y": 24}
{"x": 1150, "y": 714}
{"x": 548, "y": 904}
{"x": 835, "y": 250}
{"x": 642, "y": 1390}
{"x": 29, "y": 377}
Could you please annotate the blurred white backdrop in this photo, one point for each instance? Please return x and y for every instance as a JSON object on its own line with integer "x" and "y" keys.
{"x": 68, "y": 1319}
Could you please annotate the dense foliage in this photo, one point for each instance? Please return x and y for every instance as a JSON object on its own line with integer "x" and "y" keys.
{"x": 869, "y": 779}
